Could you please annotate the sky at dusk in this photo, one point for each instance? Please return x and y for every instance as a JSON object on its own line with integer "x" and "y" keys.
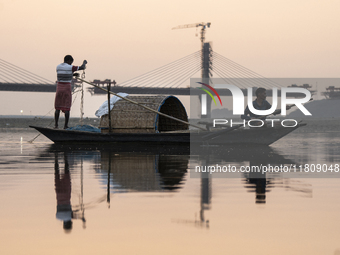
{"x": 124, "y": 39}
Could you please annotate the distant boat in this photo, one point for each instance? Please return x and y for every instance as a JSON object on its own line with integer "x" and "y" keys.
{"x": 99, "y": 83}
{"x": 332, "y": 93}
{"x": 304, "y": 86}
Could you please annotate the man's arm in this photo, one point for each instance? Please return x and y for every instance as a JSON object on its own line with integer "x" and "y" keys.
{"x": 83, "y": 66}
{"x": 268, "y": 106}
{"x": 246, "y": 113}
{"x": 279, "y": 110}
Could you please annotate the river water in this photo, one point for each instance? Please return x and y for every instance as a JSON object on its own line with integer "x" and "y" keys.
{"x": 145, "y": 200}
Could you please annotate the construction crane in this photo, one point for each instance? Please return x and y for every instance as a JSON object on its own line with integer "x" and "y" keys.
{"x": 202, "y": 24}
{"x": 206, "y": 62}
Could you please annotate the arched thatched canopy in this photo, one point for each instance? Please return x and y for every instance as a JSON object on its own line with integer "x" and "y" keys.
{"x": 130, "y": 118}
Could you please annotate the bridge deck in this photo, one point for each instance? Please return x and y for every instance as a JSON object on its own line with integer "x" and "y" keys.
{"x": 27, "y": 87}
{"x": 24, "y": 87}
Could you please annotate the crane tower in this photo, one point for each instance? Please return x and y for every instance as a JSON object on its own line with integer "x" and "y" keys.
{"x": 202, "y": 24}
{"x": 206, "y": 62}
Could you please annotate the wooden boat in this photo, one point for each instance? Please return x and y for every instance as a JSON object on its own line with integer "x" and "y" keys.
{"x": 264, "y": 136}
{"x": 160, "y": 120}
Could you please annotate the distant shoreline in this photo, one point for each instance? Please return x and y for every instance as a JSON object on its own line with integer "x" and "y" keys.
{"x": 13, "y": 121}
{"x": 20, "y": 123}
{"x": 36, "y": 116}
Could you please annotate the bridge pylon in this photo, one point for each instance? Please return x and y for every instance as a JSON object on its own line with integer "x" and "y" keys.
{"x": 206, "y": 67}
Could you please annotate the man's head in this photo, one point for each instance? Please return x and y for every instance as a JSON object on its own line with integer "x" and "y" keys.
{"x": 67, "y": 225}
{"x": 68, "y": 59}
{"x": 261, "y": 93}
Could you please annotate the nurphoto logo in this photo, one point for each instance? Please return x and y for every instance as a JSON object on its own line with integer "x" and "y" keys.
{"x": 238, "y": 99}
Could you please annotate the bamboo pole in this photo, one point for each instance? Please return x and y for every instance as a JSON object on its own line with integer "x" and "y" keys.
{"x": 109, "y": 105}
{"x": 145, "y": 107}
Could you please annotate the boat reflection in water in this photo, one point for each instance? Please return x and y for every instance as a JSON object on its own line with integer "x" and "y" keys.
{"x": 125, "y": 169}
{"x": 140, "y": 172}
{"x": 121, "y": 169}
{"x": 253, "y": 157}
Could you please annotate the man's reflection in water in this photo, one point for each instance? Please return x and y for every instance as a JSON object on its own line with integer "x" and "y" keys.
{"x": 63, "y": 193}
{"x": 259, "y": 180}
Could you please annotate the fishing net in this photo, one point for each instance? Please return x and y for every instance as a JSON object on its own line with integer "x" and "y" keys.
{"x": 87, "y": 128}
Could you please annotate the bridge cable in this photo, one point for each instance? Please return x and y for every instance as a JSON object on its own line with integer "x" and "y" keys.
{"x": 150, "y": 73}
{"x": 190, "y": 75}
{"x": 243, "y": 76}
{"x": 162, "y": 75}
{"x": 246, "y": 70}
{"x": 13, "y": 73}
{"x": 179, "y": 68}
{"x": 185, "y": 72}
{"x": 162, "y": 68}
{"x": 259, "y": 82}
{"x": 170, "y": 76}
{"x": 241, "y": 81}
{"x": 36, "y": 77}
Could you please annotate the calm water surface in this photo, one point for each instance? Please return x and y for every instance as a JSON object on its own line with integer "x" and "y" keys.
{"x": 144, "y": 201}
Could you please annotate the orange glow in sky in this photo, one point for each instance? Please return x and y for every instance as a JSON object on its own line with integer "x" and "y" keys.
{"x": 124, "y": 39}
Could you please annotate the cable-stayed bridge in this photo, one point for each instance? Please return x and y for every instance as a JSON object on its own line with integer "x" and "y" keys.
{"x": 171, "y": 79}
{"x": 14, "y": 78}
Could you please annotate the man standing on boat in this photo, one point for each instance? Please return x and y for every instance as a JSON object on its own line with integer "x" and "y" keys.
{"x": 63, "y": 98}
{"x": 260, "y": 103}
